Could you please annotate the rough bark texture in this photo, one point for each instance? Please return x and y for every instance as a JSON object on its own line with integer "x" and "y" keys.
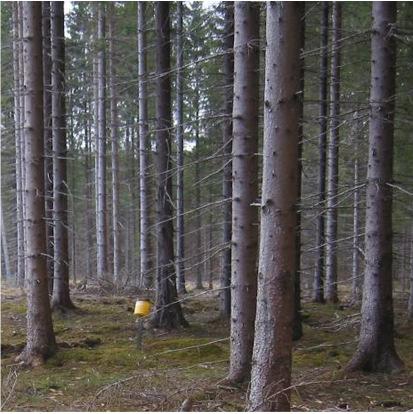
{"x": 225, "y": 303}
{"x": 145, "y": 277}
{"x": 271, "y": 370}
{"x": 333, "y": 148}
{"x": 376, "y": 350}
{"x": 198, "y": 218}
{"x": 48, "y": 141}
{"x": 180, "y": 238}
{"x": 318, "y": 287}
{"x": 18, "y": 131}
{"x": 4, "y": 247}
{"x": 167, "y": 313}
{"x": 115, "y": 157}
{"x": 40, "y": 336}
{"x": 356, "y": 268}
{"x": 61, "y": 296}
{"x": 297, "y": 327}
{"x": 101, "y": 223}
{"x": 245, "y": 188}
{"x": 410, "y": 302}
{"x": 89, "y": 192}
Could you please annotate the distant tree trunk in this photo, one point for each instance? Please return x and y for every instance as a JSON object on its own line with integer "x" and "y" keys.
{"x": 225, "y": 303}
{"x": 101, "y": 221}
{"x": 18, "y": 128}
{"x": 4, "y": 247}
{"x": 40, "y": 336}
{"x": 168, "y": 313}
{"x": 48, "y": 140}
{"x": 271, "y": 370}
{"x": 355, "y": 273}
{"x": 61, "y": 295}
{"x": 180, "y": 238}
{"x": 245, "y": 188}
{"x": 319, "y": 270}
{"x": 115, "y": 157}
{"x": 410, "y": 303}
{"x": 376, "y": 350}
{"x": 145, "y": 276}
{"x": 22, "y": 136}
{"x": 297, "y": 327}
{"x": 333, "y": 149}
{"x": 88, "y": 178}
{"x": 198, "y": 218}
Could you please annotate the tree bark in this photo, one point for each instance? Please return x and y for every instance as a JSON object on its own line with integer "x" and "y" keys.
{"x": 198, "y": 218}
{"x": 88, "y": 178}
{"x": 61, "y": 295}
{"x": 145, "y": 276}
{"x": 40, "y": 336}
{"x": 245, "y": 188}
{"x": 271, "y": 370}
{"x": 101, "y": 212}
{"x": 115, "y": 156}
{"x": 5, "y": 247}
{"x": 333, "y": 153}
{"x": 168, "y": 312}
{"x": 376, "y": 350}
{"x": 355, "y": 270}
{"x": 18, "y": 131}
{"x": 180, "y": 237}
{"x": 48, "y": 140}
{"x": 410, "y": 303}
{"x": 297, "y": 327}
{"x": 225, "y": 303}
{"x": 318, "y": 287}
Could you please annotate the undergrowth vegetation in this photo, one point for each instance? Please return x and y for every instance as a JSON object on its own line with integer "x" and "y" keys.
{"x": 99, "y": 367}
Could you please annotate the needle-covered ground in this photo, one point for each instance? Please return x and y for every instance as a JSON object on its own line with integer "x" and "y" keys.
{"x": 99, "y": 368}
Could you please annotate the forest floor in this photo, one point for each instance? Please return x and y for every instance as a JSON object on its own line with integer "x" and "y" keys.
{"x": 99, "y": 368}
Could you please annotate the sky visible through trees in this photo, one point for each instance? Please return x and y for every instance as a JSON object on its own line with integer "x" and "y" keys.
{"x": 245, "y": 167}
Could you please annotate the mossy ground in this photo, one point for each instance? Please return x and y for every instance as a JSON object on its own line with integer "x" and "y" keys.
{"x": 98, "y": 366}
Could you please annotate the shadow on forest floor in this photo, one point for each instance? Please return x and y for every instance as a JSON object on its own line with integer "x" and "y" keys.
{"x": 98, "y": 367}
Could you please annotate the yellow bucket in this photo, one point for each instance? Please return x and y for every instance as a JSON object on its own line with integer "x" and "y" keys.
{"x": 142, "y": 307}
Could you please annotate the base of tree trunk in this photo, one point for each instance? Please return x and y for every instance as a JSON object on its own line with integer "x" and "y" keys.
{"x": 34, "y": 359}
{"x": 63, "y": 307}
{"x": 168, "y": 318}
{"x": 386, "y": 361}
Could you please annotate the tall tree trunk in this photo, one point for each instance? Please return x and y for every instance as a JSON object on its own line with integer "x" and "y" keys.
{"x": 410, "y": 303}
{"x": 333, "y": 149}
{"x": 40, "y": 336}
{"x": 225, "y": 282}
{"x": 297, "y": 327}
{"x": 198, "y": 218}
{"x": 48, "y": 140}
{"x": 355, "y": 270}
{"x": 318, "y": 287}
{"x": 180, "y": 238}
{"x": 101, "y": 212}
{"x": 115, "y": 157}
{"x": 376, "y": 350}
{"x": 18, "y": 129}
{"x": 88, "y": 178}
{"x": 61, "y": 295}
{"x": 168, "y": 313}
{"x": 4, "y": 246}
{"x": 145, "y": 276}
{"x": 271, "y": 370}
{"x": 245, "y": 188}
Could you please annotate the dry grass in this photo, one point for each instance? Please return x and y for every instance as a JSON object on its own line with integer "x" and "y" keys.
{"x": 98, "y": 367}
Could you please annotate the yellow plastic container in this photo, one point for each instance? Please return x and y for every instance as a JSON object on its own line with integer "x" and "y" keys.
{"x": 142, "y": 307}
